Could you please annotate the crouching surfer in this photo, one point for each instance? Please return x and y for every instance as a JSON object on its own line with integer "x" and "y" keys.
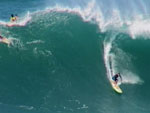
{"x": 115, "y": 77}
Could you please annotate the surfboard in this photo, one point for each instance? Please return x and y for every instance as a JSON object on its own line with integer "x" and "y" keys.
{"x": 5, "y": 40}
{"x": 113, "y": 83}
{"x": 11, "y": 24}
{"x": 115, "y": 87}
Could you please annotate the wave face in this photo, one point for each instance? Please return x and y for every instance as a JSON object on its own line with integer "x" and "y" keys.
{"x": 59, "y": 57}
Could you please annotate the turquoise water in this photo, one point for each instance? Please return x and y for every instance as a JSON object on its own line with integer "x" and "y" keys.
{"x": 58, "y": 61}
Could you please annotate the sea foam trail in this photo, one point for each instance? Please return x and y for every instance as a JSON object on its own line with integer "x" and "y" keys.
{"x": 112, "y": 62}
{"x": 107, "y": 48}
{"x": 16, "y": 43}
{"x": 35, "y": 42}
{"x": 108, "y": 56}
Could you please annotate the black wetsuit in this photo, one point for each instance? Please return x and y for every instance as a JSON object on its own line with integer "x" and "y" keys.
{"x": 115, "y": 77}
{"x": 1, "y": 37}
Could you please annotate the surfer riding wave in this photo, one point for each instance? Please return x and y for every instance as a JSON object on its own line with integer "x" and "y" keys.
{"x": 116, "y": 76}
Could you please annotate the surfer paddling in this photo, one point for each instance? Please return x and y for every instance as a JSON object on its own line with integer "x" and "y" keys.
{"x": 4, "y": 40}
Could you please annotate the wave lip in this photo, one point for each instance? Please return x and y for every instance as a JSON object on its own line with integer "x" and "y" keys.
{"x": 139, "y": 27}
{"x": 94, "y": 12}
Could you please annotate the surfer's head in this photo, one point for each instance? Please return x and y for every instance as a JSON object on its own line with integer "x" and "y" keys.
{"x": 12, "y": 15}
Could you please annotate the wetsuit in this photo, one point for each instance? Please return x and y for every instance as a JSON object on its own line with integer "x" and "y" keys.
{"x": 115, "y": 77}
{"x": 1, "y": 38}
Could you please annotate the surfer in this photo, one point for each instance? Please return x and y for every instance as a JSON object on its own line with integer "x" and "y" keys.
{"x": 4, "y": 40}
{"x": 13, "y": 18}
{"x": 1, "y": 38}
{"x": 116, "y": 76}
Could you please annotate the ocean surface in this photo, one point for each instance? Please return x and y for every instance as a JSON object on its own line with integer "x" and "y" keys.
{"x": 60, "y": 53}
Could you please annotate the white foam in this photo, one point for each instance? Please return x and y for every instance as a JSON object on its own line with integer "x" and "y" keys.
{"x": 131, "y": 78}
{"x": 45, "y": 53}
{"x": 92, "y": 12}
{"x": 139, "y": 27}
{"x": 136, "y": 25}
{"x": 120, "y": 62}
{"x": 107, "y": 55}
{"x": 35, "y": 42}
{"x": 24, "y": 20}
{"x": 16, "y": 43}
{"x": 26, "y": 107}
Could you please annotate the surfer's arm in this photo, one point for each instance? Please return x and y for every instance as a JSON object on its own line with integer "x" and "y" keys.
{"x": 120, "y": 77}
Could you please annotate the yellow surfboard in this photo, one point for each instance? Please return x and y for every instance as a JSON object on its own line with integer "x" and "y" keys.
{"x": 116, "y": 87}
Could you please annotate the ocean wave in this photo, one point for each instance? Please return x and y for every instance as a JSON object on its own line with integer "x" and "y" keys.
{"x": 135, "y": 25}
{"x": 93, "y": 12}
{"x": 22, "y": 21}
{"x": 119, "y": 62}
